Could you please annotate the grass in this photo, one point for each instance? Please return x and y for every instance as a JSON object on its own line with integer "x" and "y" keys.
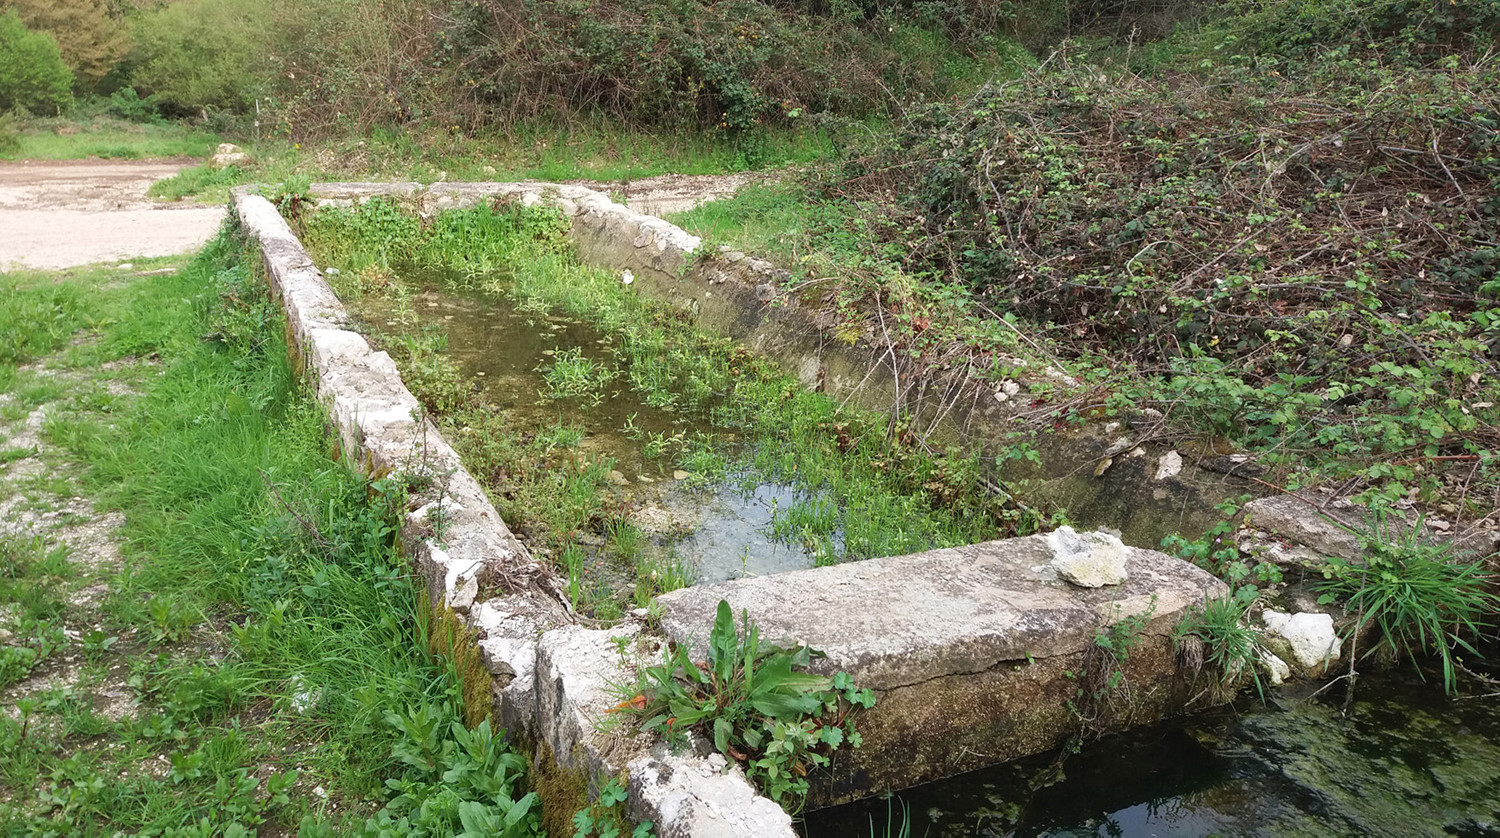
{"x": 1421, "y": 600}
{"x": 571, "y": 375}
{"x": 771, "y": 220}
{"x": 36, "y": 317}
{"x": 1229, "y": 646}
{"x": 265, "y": 623}
{"x": 584, "y": 151}
{"x": 62, "y": 138}
{"x": 204, "y": 182}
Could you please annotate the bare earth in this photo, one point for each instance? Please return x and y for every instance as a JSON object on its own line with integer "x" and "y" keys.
{"x": 60, "y": 215}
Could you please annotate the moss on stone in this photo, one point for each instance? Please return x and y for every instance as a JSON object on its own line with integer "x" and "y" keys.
{"x": 449, "y": 637}
{"x": 563, "y": 792}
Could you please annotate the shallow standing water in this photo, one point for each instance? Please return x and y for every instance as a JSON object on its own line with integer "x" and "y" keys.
{"x": 1406, "y": 762}
{"x": 720, "y": 532}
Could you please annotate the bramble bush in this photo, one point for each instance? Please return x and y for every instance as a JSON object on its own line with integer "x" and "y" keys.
{"x": 1291, "y": 241}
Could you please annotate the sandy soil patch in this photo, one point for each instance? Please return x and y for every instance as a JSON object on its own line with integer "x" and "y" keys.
{"x": 63, "y": 214}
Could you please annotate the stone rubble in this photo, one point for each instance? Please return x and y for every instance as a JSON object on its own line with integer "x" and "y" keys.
{"x": 1306, "y": 641}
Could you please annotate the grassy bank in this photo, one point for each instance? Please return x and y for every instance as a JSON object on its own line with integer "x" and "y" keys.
{"x": 216, "y": 635}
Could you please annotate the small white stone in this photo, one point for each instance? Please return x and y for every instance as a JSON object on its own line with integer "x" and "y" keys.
{"x": 1305, "y": 640}
{"x": 1170, "y": 465}
{"x": 1090, "y": 560}
{"x": 1276, "y": 669}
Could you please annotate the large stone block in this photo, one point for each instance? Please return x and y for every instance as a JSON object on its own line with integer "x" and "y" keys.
{"x": 975, "y": 652}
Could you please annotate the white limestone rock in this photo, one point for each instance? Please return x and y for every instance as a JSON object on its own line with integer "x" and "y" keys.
{"x": 1305, "y": 641}
{"x": 1276, "y": 669}
{"x": 689, "y": 797}
{"x": 227, "y": 154}
{"x": 1170, "y": 465}
{"x": 1090, "y": 560}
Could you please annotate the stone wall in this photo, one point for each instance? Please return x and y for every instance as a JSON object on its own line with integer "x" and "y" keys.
{"x": 550, "y": 678}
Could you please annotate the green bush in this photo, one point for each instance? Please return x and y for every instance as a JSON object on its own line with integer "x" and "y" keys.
{"x": 1297, "y": 248}
{"x": 202, "y": 54}
{"x": 32, "y": 73}
{"x": 91, "y": 38}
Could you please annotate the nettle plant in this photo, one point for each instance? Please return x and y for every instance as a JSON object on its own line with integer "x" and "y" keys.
{"x": 757, "y": 703}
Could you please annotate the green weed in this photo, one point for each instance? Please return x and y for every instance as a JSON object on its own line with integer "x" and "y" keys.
{"x": 570, "y": 374}
{"x": 755, "y": 704}
{"x": 1230, "y": 647}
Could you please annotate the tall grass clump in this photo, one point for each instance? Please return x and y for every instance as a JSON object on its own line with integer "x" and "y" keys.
{"x": 1420, "y": 599}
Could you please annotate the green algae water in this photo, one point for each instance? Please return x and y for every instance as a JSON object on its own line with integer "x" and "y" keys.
{"x": 716, "y": 532}
{"x": 1406, "y": 762}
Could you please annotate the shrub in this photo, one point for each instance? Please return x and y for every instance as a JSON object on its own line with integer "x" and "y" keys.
{"x": 90, "y": 39}
{"x": 1297, "y": 249}
{"x": 32, "y": 73}
{"x": 202, "y": 54}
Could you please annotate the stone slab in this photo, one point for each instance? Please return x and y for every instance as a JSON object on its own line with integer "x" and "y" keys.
{"x": 973, "y": 651}
{"x": 904, "y": 620}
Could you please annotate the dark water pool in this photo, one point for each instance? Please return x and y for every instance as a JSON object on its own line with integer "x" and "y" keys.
{"x": 1405, "y": 762}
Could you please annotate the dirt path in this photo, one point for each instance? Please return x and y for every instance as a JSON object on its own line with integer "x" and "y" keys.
{"x": 61, "y": 215}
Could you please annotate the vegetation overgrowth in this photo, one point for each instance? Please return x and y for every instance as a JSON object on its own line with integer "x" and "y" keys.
{"x": 1284, "y": 242}
{"x": 264, "y": 627}
{"x": 1422, "y": 600}
{"x": 755, "y": 701}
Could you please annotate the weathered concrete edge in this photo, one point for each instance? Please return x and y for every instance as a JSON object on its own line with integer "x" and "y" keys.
{"x": 518, "y": 634}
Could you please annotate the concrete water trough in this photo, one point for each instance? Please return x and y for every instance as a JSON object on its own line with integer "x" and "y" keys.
{"x": 975, "y": 652}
